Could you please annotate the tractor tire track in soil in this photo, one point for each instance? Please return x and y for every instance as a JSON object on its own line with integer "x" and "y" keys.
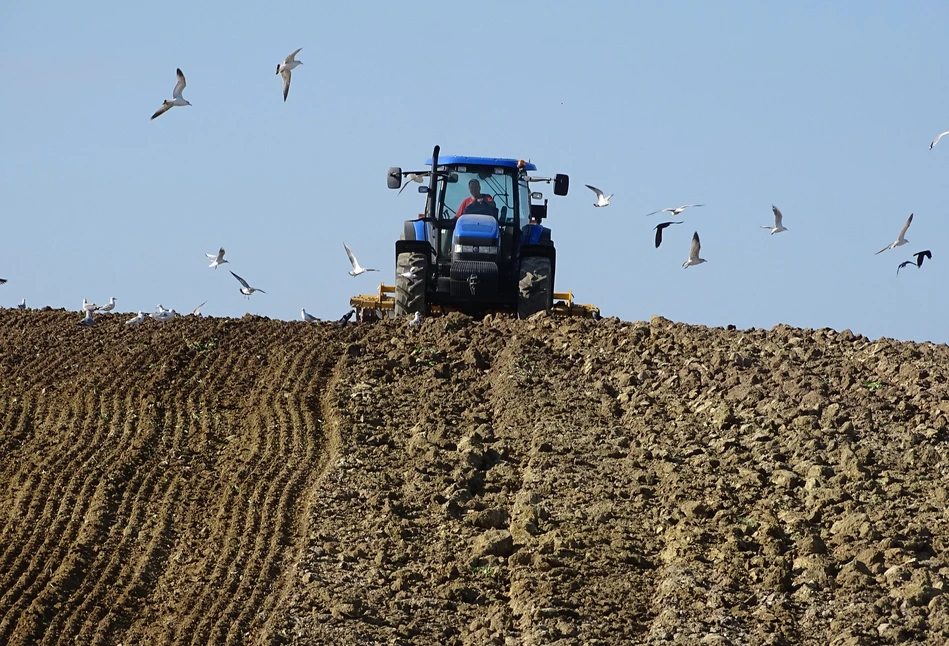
{"x": 214, "y": 481}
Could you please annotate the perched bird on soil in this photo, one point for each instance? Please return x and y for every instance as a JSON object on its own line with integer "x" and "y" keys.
{"x": 659, "y": 227}
{"x": 108, "y": 307}
{"x": 344, "y": 319}
{"x": 416, "y": 319}
{"x": 900, "y": 241}
{"x": 309, "y": 318}
{"x": 176, "y": 94}
{"x": 89, "y": 307}
{"x": 87, "y": 321}
{"x": 197, "y": 311}
{"x": 22, "y": 305}
{"x": 694, "y": 250}
{"x": 136, "y": 320}
{"x": 164, "y": 315}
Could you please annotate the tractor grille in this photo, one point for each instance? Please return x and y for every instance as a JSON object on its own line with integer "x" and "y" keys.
{"x": 474, "y": 279}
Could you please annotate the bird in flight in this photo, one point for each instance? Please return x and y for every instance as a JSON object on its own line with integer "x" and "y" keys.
{"x": 601, "y": 199}
{"x": 283, "y": 69}
{"x": 778, "y": 219}
{"x": 659, "y": 227}
{"x": 920, "y": 255}
{"x": 217, "y": 259}
{"x": 675, "y": 211}
{"x": 412, "y": 177}
{"x": 694, "y": 252}
{"x": 938, "y": 137}
{"x": 177, "y": 100}
{"x": 899, "y": 242}
{"x": 2, "y": 281}
{"x": 246, "y": 290}
{"x": 357, "y": 270}
{"x": 309, "y": 318}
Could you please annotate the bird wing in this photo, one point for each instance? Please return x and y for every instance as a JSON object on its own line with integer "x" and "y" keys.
{"x": 220, "y": 255}
{"x": 197, "y": 310}
{"x": 777, "y": 216}
{"x": 659, "y": 211}
{"x": 889, "y": 246}
{"x": 165, "y": 107}
{"x": 688, "y": 206}
{"x": 180, "y": 85}
{"x": 290, "y": 57}
{"x": 242, "y": 281}
{"x": 936, "y": 140}
{"x": 286, "y": 83}
{"x": 909, "y": 221}
{"x": 696, "y": 246}
{"x": 352, "y": 258}
{"x": 903, "y": 264}
{"x": 598, "y": 192}
{"x": 659, "y": 228}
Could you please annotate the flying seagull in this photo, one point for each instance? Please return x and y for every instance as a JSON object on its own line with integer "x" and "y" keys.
{"x": 936, "y": 140}
{"x": 357, "y": 270}
{"x": 694, "y": 252}
{"x": 89, "y": 307}
{"x": 22, "y": 305}
{"x": 659, "y": 228}
{"x": 601, "y": 199}
{"x": 778, "y": 218}
{"x": 177, "y": 100}
{"x": 197, "y": 311}
{"x": 283, "y": 69}
{"x": 920, "y": 255}
{"x": 216, "y": 259}
{"x": 309, "y": 318}
{"x": 412, "y": 177}
{"x": 903, "y": 264}
{"x": 137, "y": 320}
{"x": 108, "y": 307}
{"x": 246, "y": 290}
{"x": 344, "y": 319}
{"x": 87, "y": 321}
{"x": 675, "y": 211}
{"x": 899, "y": 242}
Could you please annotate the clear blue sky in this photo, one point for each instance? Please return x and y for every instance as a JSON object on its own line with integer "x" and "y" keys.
{"x": 824, "y": 109}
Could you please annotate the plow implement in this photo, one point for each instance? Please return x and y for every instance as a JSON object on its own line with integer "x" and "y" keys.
{"x": 382, "y": 305}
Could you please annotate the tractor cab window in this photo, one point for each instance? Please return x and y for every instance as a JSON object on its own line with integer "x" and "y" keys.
{"x": 480, "y": 190}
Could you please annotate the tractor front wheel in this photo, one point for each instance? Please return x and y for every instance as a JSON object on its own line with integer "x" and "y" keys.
{"x": 535, "y": 287}
{"x": 410, "y": 272}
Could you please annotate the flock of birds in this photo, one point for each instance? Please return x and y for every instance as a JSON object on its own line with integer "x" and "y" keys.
{"x": 603, "y": 200}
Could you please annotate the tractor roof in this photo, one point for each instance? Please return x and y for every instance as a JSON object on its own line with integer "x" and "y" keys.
{"x": 452, "y": 160}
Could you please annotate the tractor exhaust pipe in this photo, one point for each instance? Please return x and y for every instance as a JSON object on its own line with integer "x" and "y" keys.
{"x": 430, "y": 202}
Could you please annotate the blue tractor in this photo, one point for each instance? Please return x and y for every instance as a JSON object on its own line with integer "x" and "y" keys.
{"x": 479, "y": 246}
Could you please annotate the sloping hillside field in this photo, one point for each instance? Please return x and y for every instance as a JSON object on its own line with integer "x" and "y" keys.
{"x": 216, "y": 481}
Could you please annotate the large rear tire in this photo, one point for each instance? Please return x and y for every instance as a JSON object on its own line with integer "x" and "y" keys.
{"x": 535, "y": 287}
{"x": 410, "y": 292}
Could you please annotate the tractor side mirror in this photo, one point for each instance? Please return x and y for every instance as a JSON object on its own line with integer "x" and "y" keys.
{"x": 394, "y": 178}
{"x": 561, "y": 184}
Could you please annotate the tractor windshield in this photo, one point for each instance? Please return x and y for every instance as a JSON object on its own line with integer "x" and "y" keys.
{"x": 484, "y": 190}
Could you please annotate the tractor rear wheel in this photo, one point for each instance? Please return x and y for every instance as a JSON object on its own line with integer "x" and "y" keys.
{"x": 535, "y": 287}
{"x": 410, "y": 292}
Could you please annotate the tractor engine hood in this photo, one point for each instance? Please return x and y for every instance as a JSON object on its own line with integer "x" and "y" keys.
{"x": 476, "y": 229}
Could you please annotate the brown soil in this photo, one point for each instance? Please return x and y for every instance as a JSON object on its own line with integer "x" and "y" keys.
{"x": 215, "y": 481}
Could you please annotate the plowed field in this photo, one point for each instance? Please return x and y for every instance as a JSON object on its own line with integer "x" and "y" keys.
{"x": 216, "y": 481}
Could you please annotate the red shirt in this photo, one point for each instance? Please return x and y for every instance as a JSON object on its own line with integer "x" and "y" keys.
{"x": 468, "y": 202}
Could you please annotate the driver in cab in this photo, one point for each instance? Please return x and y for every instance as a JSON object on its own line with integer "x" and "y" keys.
{"x": 478, "y": 203}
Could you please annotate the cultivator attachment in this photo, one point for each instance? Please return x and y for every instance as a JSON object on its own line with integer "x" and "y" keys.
{"x": 381, "y": 305}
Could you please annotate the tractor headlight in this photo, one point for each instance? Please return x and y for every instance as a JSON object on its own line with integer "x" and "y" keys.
{"x": 467, "y": 248}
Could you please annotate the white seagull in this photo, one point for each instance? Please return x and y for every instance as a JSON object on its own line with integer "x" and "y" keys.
{"x": 164, "y": 315}
{"x": 357, "y": 270}
{"x": 216, "y": 259}
{"x": 936, "y": 140}
{"x": 309, "y": 318}
{"x": 87, "y": 322}
{"x": 778, "y": 226}
{"x": 89, "y": 307}
{"x": 160, "y": 308}
{"x": 412, "y": 177}
{"x": 197, "y": 311}
{"x": 694, "y": 252}
{"x": 601, "y": 199}
{"x": 675, "y": 211}
{"x": 22, "y": 305}
{"x": 416, "y": 319}
{"x": 899, "y": 242}
{"x": 177, "y": 100}
{"x": 283, "y": 69}
{"x": 246, "y": 290}
{"x": 108, "y": 307}
{"x": 136, "y": 320}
